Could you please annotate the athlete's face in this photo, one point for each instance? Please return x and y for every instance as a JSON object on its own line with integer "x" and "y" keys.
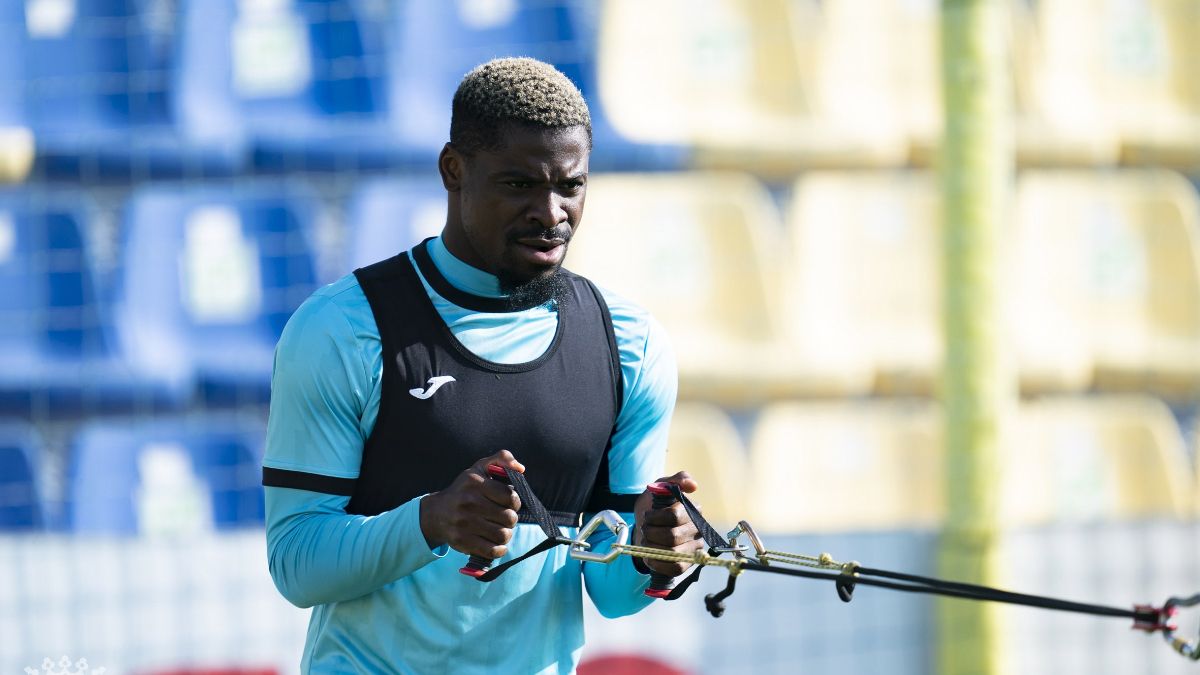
{"x": 513, "y": 211}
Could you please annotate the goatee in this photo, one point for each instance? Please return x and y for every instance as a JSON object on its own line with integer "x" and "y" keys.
{"x": 536, "y": 291}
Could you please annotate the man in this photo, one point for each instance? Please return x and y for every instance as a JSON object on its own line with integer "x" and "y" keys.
{"x": 396, "y": 387}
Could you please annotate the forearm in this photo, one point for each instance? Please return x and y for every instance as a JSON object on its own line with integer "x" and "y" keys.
{"x": 615, "y": 588}
{"x": 318, "y": 554}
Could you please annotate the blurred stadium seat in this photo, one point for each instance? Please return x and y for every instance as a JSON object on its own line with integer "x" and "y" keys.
{"x": 705, "y": 443}
{"x": 210, "y": 279}
{"x": 1138, "y": 231}
{"x": 1099, "y": 459}
{"x": 16, "y": 140}
{"x": 700, "y": 252}
{"x": 847, "y": 466}
{"x": 390, "y": 215}
{"x": 773, "y": 85}
{"x": 57, "y": 355}
{"x": 1063, "y": 118}
{"x": 436, "y": 43}
{"x": 21, "y": 505}
{"x": 166, "y": 477}
{"x": 862, "y": 283}
{"x": 100, "y": 95}
{"x": 303, "y": 81}
{"x": 1151, "y": 57}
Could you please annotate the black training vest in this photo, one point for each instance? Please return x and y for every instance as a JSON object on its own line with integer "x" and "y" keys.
{"x": 556, "y": 414}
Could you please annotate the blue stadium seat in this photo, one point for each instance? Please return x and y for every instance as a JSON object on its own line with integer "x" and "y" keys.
{"x": 169, "y": 476}
{"x": 21, "y": 506}
{"x": 436, "y": 43}
{"x": 211, "y": 277}
{"x": 301, "y": 80}
{"x": 56, "y": 352}
{"x": 100, "y": 93}
{"x": 390, "y": 215}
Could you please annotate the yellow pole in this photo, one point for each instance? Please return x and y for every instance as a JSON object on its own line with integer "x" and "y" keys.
{"x": 976, "y": 175}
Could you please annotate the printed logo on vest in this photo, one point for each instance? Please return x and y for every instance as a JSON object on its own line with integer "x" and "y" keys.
{"x": 435, "y": 383}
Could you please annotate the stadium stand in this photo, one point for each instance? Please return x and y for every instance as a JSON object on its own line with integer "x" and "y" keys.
{"x": 766, "y": 85}
{"x": 166, "y": 477}
{"x": 16, "y": 140}
{"x": 838, "y": 467}
{"x": 57, "y": 354}
{"x": 705, "y": 443}
{"x": 1138, "y": 231}
{"x": 21, "y": 505}
{"x": 704, "y": 266}
{"x": 1105, "y": 459}
{"x": 390, "y": 215}
{"x": 211, "y": 277}
{"x": 101, "y": 98}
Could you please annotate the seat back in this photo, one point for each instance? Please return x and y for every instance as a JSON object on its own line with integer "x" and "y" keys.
{"x": 1096, "y": 459}
{"x": 390, "y": 215}
{"x": 211, "y": 276}
{"x": 103, "y": 66}
{"x": 167, "y": 477}
{"x": 21, "y": 506}
{"x": 705, "y": 443}
{"x": 847, "y": 466}
{"x": 292, "y": 68}
{"x": 48, "y": 309}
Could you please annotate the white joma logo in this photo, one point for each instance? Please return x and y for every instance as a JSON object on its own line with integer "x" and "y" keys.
{"x": 435, "y": 383}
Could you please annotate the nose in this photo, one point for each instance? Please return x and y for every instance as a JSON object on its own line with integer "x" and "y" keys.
{"x": 547, "y": 209}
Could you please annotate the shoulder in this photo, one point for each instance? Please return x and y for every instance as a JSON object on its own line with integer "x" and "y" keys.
{"x": 643, "y": 344}
{"x": 337, "y": 313}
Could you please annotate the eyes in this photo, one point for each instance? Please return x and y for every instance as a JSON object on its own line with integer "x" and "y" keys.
{"x": 569, "y": 186}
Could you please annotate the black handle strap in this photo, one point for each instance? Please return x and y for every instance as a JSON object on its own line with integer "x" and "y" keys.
{"x": 532, "y": 506}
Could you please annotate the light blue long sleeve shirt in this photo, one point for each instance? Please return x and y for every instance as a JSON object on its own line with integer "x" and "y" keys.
{"x": 382, "y": 600}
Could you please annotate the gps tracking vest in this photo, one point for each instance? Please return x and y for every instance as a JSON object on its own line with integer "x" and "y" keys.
{"x": 442, "y": 408}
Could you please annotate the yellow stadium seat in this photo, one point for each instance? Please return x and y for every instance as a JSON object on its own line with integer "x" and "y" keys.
{"x": 1138, "y": 231}
{"x": 771, "y": 85}
{"x": 1153, "y": 60}
{"x": 847, "y": 466}
{"x": 705, "y": 443}
{"x": 1063, "y": 114}
{"x": 1109, "y": 458}
{"x": 1047, "y": 308}
{"x": 863, "y": 278}
{"x": 700, "y": 252}
{"x": 1120, "y": 73}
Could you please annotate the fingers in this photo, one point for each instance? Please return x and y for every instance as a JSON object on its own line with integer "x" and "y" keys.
{"x": 503, "y": 458}
{"x": 684, "y": 480}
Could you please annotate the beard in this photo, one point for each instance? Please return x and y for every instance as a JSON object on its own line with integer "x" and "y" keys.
{"x": 524, "y": 294}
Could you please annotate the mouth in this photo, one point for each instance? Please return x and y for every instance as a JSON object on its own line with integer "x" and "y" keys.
{"x": 542, "y": 252}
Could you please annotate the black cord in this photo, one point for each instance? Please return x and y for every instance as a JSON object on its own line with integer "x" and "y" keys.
{"x": 958, "y": 590}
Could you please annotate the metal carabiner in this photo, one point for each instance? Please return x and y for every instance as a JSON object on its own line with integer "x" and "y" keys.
{"x": 614, "y": 523}
{"x": 1187, "y": 649}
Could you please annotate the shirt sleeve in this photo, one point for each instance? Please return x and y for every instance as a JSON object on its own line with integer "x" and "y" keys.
{"x": 639, "y": 445}
{"x": 317, "y": 553}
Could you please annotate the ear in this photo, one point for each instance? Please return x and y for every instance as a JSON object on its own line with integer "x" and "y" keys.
{"x": 452, "y": 167}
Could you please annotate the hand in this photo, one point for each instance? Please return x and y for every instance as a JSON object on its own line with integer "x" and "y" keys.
{"x": 476, "y": 514}
{"x": 669, "y": 528}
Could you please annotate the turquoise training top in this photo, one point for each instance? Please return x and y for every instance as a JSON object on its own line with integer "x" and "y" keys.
{"x": 380, "y": 596}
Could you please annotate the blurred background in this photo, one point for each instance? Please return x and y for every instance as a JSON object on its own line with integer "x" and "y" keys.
{"x": 181, "y": 174}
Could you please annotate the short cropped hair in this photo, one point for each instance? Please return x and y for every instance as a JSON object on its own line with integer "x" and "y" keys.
{"x": 521, "y": 91}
